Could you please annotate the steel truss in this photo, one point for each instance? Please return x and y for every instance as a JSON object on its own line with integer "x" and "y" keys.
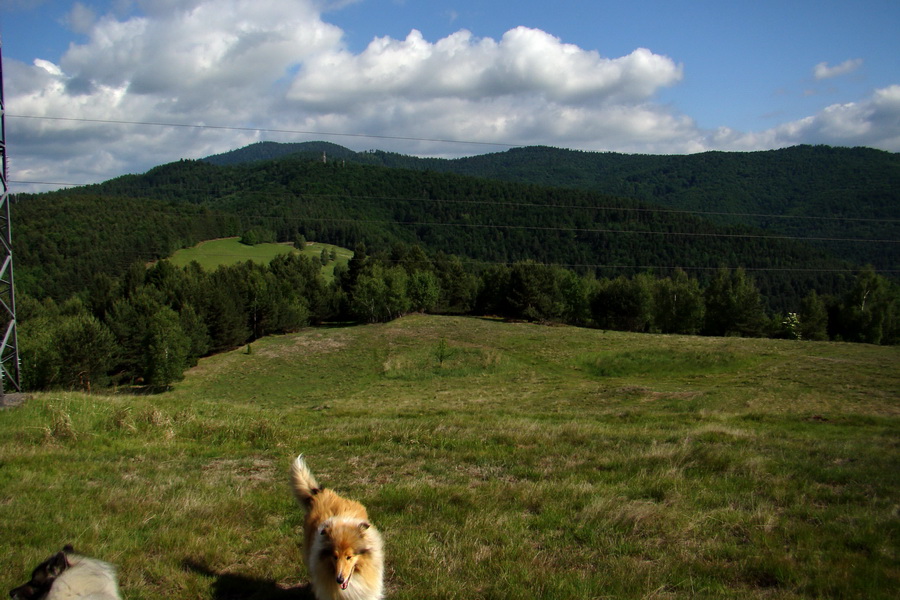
{"x": 10, "y": 365}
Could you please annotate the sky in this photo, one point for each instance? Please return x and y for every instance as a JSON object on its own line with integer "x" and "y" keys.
{"x": 100, "y": 88}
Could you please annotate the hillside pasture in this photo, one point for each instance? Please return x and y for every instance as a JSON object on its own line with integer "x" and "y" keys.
{"x": 213, "y": 254}
{"x": 501, "y": 461}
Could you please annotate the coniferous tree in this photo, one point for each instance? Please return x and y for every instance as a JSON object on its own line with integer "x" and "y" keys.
{"x": 624, "y": 304}
{"x": 493, "y": 291}
{"x": 226, "y": 313}
{"x": 678, "y": 304}
{"x": 733, "y": 305}
{"x": 197, "y": 332}
{"x": 87, "y": 348}
{"x": 870, "y": 309}
{"x": 165, "y": 349}
{"x": 459, "y": 287}
{"x": 533, "y": 293}
{"x": 380, "y": 294}
{"x": 39, "y": 352}
{"x": 129, "y": 320}
{"x": 355, "y": 267}
{"x": 813, "y": 317}
{"x": 70, "y": 351}
{"x": 575, "y": 293}
{"x": 102, "y": 294}
{"x": 424, "y": 291}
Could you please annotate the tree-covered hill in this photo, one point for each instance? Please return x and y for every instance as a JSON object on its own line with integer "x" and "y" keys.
{"x": 804, "y": 191}
{"x": 64, "y": 236}
{"x": 821, "y": 192}
{"x": 63, "y": 240}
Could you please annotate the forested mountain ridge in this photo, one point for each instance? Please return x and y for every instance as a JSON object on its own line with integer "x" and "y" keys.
{"x": 795, "y": 181}
{"x": 804, "y": 191}
{"x": 348, "y": 203}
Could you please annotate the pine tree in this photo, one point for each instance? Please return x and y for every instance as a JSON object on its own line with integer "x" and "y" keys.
{"x": 166, "y": 349}
{"x": 733, "y": 305}
{"x": 813, "y": 318}
{"x": 678, "y": 304}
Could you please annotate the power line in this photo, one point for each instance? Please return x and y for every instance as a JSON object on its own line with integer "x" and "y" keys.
{"x": 604, "y": 230}
{"x": 263, "y": 130}
{"x": 661, "y": 210}
{"x": 607, "y": 208}
{"x": 22, "y": 182}
{"x": 472, "y": 261}
{"x": 582, "y": 207}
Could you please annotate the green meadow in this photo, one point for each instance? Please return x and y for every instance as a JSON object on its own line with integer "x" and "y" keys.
{"x": 213, "y": 254}
{"x": 500, "y": 460}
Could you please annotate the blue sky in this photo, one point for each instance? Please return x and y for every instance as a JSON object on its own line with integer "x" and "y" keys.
{"x": 652, "y": 77}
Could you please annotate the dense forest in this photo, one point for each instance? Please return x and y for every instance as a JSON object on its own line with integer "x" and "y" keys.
{"x": 98, "y": 306}
{"x": 817, "y": 192}
{"x": 487, "y": 221}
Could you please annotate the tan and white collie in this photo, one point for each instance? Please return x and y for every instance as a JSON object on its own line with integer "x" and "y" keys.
{"x": 343, "y": 551}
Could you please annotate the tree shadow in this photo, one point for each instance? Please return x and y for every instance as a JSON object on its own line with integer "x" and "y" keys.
{"x": 235, "y": 586}
{"x": 140, "y": 389}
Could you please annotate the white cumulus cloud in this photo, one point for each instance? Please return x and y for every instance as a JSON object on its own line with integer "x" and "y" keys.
{"x": 81, "y": 18}
{"x": 873, "y": 121}
{"x": 524, "y": 62}
{"x": 824, "y": 71}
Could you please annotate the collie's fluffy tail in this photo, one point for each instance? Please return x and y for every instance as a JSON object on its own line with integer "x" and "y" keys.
{"x": 304, "y": 484}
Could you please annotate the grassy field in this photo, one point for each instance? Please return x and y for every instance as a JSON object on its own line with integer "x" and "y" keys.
{"x": 501, "y": 461}
{"x": 213, "y": 254}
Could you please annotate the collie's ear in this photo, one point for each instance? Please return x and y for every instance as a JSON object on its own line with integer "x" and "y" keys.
{"x": 57, "y": 564}
{"x": 326, "y": 529}
{"x": 363, "y": 526}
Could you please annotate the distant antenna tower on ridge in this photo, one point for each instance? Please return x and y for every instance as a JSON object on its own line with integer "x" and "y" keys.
{"x": 9, "y": 346}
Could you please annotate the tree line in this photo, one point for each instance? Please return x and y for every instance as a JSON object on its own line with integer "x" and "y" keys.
{"x": 146, "y": 327}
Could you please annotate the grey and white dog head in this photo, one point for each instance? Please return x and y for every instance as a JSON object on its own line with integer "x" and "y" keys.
{"x": 43, "y": 576}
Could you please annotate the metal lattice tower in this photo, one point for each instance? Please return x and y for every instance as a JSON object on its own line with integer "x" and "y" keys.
{"x": 10, "y": 375}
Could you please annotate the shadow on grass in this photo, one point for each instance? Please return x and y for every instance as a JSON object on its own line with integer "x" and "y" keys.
{"x": 234, "y": 586}
{"x": 140, "y": 390}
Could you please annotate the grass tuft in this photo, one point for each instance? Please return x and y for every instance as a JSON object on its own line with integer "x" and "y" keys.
{"x": 61, "y": 428}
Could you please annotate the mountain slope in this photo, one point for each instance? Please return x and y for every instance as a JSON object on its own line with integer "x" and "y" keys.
{"x": 831, "y": 194}
{"x": 348, "y": 203}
